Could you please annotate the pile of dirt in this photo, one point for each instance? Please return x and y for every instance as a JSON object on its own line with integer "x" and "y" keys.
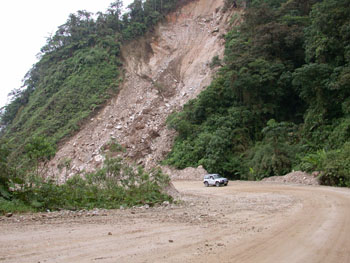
{"x": 190, "y": 173}
{"x": 295, "y": 177}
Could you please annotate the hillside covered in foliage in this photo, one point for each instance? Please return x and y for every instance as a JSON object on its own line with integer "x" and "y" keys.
{"x": 281, "y": 99}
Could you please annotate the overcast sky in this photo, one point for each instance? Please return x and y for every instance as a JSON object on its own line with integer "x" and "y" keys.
{"x": 24, "y": 27}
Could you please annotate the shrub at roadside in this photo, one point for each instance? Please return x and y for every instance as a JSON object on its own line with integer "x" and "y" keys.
{"x": 334, "y": 165}
{"x": 116, "y": 184}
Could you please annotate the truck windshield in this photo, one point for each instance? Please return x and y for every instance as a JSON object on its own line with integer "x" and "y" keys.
{"x": 216, "y": 176}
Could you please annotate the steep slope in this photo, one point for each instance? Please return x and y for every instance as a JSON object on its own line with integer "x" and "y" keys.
{"x": 162, "y": 72}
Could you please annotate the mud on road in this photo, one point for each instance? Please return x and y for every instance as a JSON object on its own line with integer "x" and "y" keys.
{"x": 243, "y": 222}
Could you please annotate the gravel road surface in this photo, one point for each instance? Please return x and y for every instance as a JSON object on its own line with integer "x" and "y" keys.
{"x": 243, "y": 222}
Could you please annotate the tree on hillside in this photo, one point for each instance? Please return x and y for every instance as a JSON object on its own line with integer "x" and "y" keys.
{"x": 4, "y": 171}
{"x": 39, "y": 150}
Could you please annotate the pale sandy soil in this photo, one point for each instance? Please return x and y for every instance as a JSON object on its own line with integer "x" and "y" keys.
{"x": 243, "y": 222}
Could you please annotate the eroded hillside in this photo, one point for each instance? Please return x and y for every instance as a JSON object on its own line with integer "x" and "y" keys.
{"x": 162, "y": 72}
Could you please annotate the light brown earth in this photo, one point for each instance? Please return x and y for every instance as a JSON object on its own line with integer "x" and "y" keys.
{"x": 243, "y": 222}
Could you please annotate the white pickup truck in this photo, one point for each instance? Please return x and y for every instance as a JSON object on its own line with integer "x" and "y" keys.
{"x": 214, "y": 179}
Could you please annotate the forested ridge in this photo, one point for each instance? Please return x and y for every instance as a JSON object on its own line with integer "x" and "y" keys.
{"x": 280, "y": 101}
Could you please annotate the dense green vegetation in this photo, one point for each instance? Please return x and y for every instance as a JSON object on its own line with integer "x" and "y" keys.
{"x": 281, "y": 99}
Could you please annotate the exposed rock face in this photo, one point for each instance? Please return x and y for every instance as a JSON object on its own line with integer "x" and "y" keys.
{"x": 163, "y": 71}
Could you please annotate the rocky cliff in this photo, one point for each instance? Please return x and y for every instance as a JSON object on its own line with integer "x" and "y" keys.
{"x": 163, "y": 71}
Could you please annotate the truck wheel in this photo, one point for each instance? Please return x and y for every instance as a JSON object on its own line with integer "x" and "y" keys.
{"x": 206, "y": 184}
{"x": 217, "y": 184}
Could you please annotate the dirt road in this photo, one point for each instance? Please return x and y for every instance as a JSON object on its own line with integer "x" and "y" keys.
{"x": 243, "y": 222}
